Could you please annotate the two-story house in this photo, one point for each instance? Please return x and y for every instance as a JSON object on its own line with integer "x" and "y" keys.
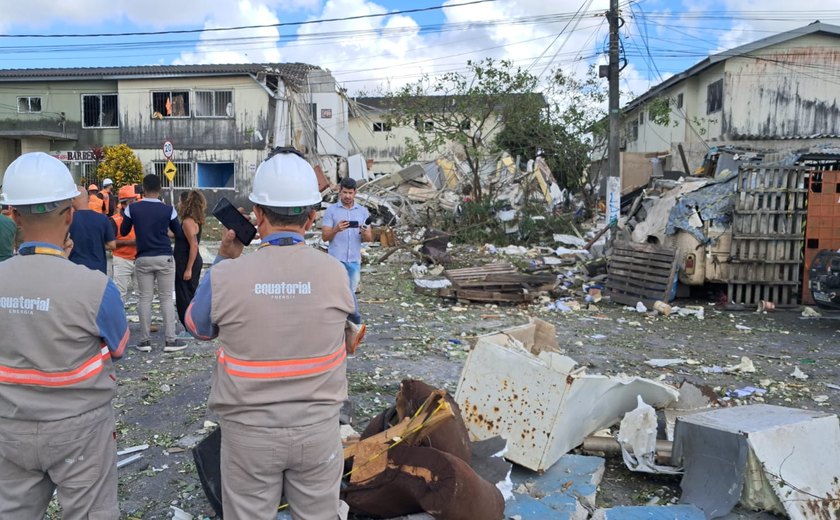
{"x": 775, "y": 95}
{"x": 221, "y": 119}
{"x": 383, "y": 143}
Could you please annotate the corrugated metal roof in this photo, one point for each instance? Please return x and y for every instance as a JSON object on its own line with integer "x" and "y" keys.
{"x": 743, "y": 50}
{"x": 294, "y": 72}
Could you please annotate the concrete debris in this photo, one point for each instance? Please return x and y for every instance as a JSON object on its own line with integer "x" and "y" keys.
{"x": 542, "y": 426}
{"x": 810, "y": 312}
{"x": 799, "y": 374}
{"x": 676, "y": 512}
{"x": 745, "y": 366}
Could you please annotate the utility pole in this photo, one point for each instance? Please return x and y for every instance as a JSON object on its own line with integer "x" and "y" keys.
{"x": 613, "y": 195}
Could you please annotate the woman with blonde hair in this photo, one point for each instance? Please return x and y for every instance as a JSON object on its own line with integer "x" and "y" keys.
{"x": 188, "y": 263}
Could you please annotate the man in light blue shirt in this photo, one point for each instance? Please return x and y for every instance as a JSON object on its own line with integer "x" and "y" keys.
{"x": 346, "y": 226}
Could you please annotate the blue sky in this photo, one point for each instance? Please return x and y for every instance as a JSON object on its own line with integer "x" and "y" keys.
{"x": 661, "y": 37}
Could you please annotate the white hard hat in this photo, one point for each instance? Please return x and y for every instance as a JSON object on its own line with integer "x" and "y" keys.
{"x": 285, "y": 180}
{"x": 107, "y": 182}
{"x": 37, "y": 178}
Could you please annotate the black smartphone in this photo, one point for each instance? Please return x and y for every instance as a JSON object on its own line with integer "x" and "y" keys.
{"x": 353, "y": 223}
{"x": 231, "y": 218}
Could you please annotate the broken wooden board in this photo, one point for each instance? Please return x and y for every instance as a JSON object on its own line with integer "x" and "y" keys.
{"x": 640, "y": 273}
{"x": 370, "y": 454}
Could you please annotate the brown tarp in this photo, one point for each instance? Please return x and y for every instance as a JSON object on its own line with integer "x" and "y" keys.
{"x": 425, "y": 479}
{"x": 434, "y": 476}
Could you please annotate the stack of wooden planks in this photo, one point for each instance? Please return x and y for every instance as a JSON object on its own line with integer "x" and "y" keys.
{"x": 495, "y": 283}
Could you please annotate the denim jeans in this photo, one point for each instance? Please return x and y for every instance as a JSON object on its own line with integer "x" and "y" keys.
{"x": 354, "y": 271}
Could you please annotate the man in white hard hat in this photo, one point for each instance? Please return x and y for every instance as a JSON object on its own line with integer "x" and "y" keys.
{"x": 280, "y": 380}
{"x": 62, "y": 324}
{"x": 109, "y": 202}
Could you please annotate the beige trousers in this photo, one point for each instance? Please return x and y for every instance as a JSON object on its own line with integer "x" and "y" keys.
{"x": 123, "y": 275}
{"x": 76, "y": 456}
{"x": 261, "y": 466}
{"x": 156, "y": 271}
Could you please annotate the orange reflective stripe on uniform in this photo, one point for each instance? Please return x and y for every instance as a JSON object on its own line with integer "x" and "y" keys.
{"x": 281, "y": 369}
{"x": 35, "y": 377}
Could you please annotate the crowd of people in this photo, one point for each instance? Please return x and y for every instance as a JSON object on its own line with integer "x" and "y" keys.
{"x": 286, "y": 317}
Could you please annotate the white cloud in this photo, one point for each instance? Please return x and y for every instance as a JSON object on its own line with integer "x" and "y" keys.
{"x": 150, "y": 14}
{"x": 258, "y": 45}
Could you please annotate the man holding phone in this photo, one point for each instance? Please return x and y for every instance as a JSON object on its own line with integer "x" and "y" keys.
{"x": 345, "y": 226}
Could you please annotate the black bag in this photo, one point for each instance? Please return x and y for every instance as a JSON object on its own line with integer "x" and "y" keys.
{"x": 208, "y": 462}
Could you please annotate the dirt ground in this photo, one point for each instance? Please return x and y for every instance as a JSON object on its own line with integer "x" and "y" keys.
{"x": 161, "y": 398}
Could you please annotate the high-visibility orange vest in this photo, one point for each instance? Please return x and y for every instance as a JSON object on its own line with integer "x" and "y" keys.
{"x": 96, "y": 203}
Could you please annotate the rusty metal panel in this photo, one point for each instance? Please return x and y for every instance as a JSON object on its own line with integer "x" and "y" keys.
{"x": 517, "y": 385}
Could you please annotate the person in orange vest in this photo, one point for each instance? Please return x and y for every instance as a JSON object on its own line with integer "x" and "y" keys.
{"x": 109, "y": 202}
{"x": 62, "y": 325}
{"x": 126, "y": 250}
{"x": 95, "y": 200}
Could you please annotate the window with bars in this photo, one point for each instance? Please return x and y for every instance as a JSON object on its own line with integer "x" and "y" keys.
{"x": 714, "y": 96}
{"x": 213, "y": 103}
{"x": 29, "y": 104}
{"x": 381, "y": 127}
{"x": 632, "y": 131}
{"x": 99, "y": 111}
{"x": 170, "y": 104}
{"x": 183, "y": 177}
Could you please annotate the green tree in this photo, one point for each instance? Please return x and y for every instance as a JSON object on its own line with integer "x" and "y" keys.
{"x": 463, "y": 108}
{"x": 121, "y": 165}
{"x": 563, "y": 130}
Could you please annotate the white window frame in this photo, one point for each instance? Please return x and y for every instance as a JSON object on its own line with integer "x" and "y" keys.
{"x": 29, "y": 104}
{"x": 100, "y": 96}
{"x": 195, "y": 105}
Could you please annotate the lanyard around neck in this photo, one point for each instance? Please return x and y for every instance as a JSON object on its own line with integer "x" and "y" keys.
{"x": 282, "y": 241}
{"x": 40, "y": 250}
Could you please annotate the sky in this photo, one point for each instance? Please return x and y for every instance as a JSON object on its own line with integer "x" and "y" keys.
{"x": 372, "y": 46}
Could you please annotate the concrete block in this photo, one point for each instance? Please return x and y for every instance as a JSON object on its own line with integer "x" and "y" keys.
{"x": 682, "y": 512}
{"x": 566, "y": 491}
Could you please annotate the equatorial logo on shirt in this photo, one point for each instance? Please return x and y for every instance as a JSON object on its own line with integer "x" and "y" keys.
{"x": 283, "y": 290}
{"x": 23, "y": 305}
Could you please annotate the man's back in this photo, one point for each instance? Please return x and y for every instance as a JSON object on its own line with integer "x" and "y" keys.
{"x": 287, "y": 302}
{"x": 50, "y": 310}
{"x": 90, "y": 231}
{"x": 151, "y": 221}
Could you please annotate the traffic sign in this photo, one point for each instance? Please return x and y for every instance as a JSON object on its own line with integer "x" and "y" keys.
{"x": 170, "y": 170}
{"x": 168, "y": 149}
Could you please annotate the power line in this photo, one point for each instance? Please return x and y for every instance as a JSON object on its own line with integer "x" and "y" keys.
{"x": 241, "y": 27}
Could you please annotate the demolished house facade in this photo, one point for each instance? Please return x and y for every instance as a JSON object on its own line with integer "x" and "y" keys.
{"x": 775, "y": 94}
{"x": 221, "y": 119}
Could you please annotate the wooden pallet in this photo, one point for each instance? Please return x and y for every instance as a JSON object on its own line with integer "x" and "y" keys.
{"x": 640, "y": 273}
{"x": 490, "y": 283}
{"x": 768, "y": 226}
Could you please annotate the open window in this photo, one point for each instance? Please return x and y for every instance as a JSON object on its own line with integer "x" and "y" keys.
{"x": 99, "y": 111}
{"x": 213, "y": 103}
{"x": 29, "y": 104}
{"x": 215, "y": 175}
{"x": 714, "y": 96}
{"x": 170, "y": 104}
